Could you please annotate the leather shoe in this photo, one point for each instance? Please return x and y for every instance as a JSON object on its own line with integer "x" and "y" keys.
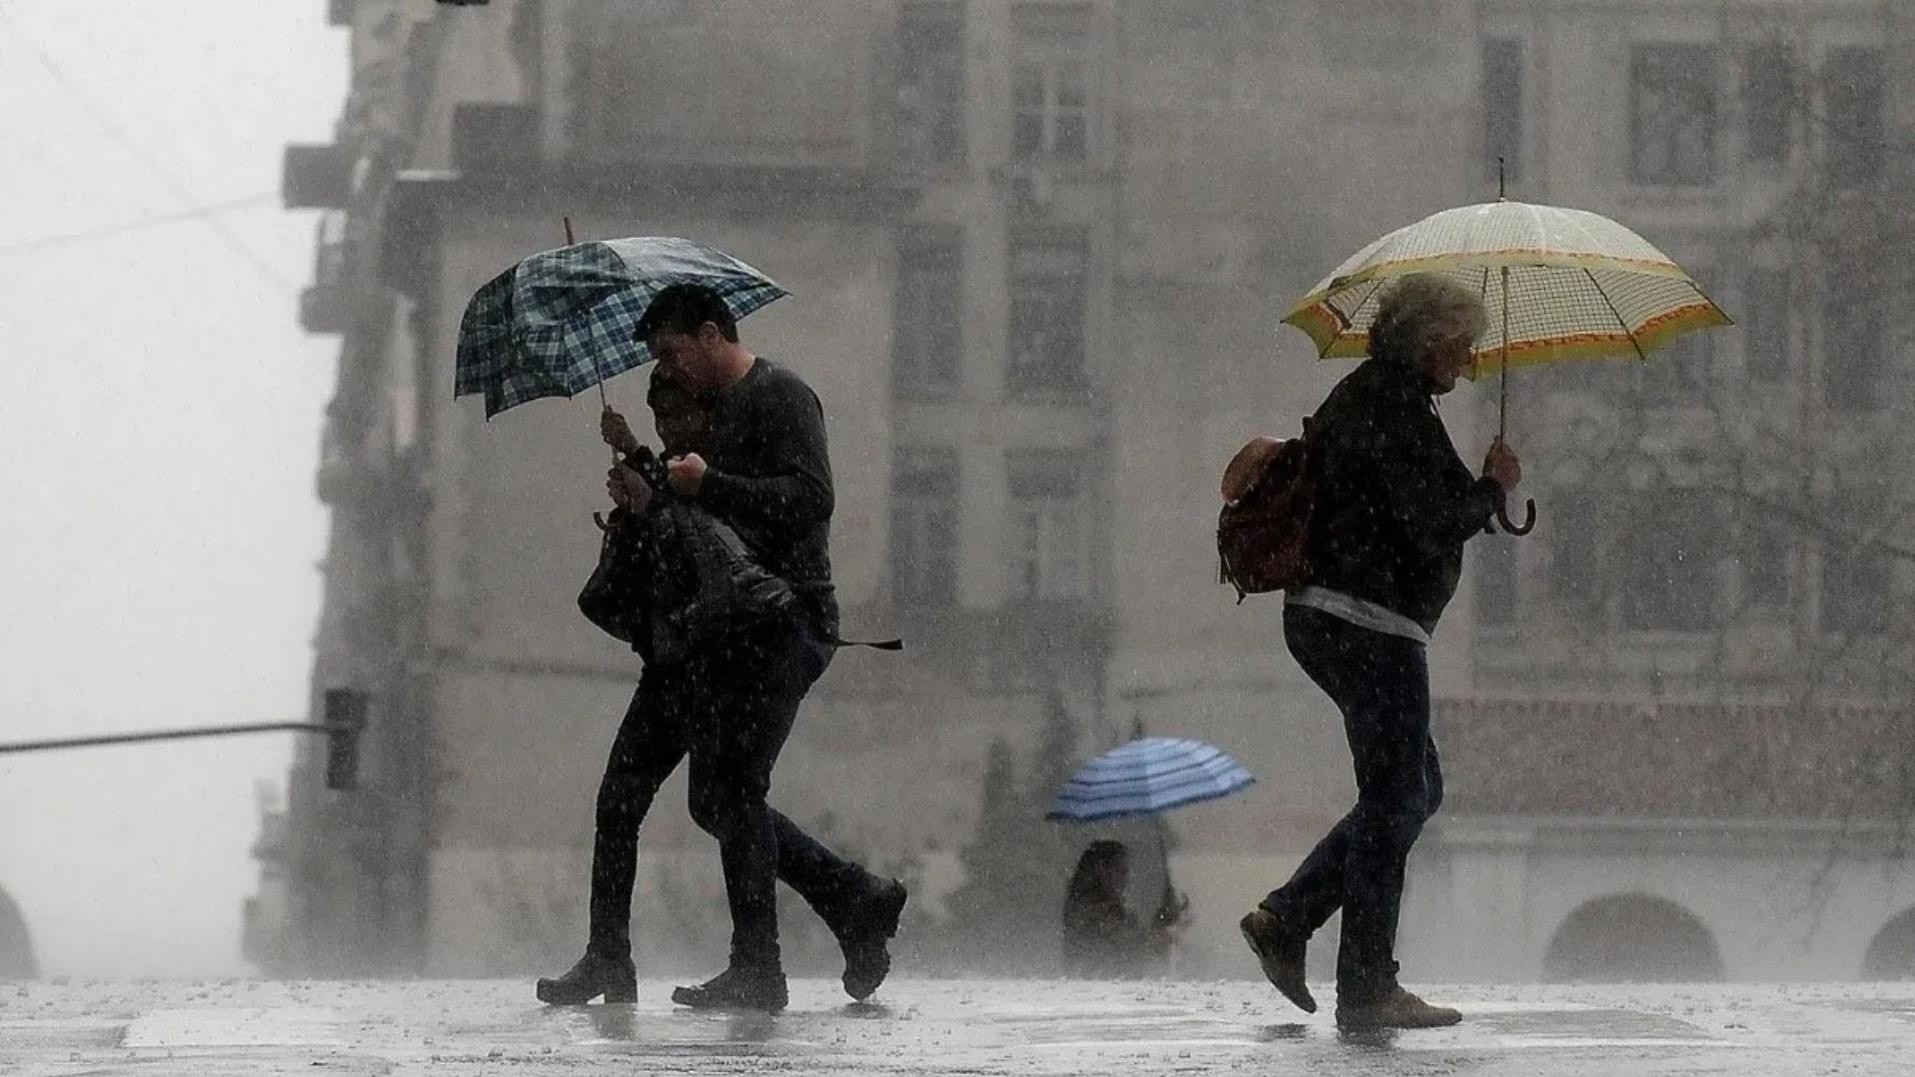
{"x": 736, "y": 989}
{"x": 1280, "y": 950}
{"x": 867, "y": 954}
{"x": 595, "y": 974}
{"x": 1394, "y": 1008}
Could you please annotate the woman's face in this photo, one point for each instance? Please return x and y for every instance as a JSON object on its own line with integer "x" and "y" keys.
{"x": 679, "y": 420}
{"x": 1447, "y": 358}
{"x": 679, "y": 430}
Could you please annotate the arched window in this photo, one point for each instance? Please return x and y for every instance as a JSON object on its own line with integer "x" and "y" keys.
{"x": 1892, "y": 955}
{"x": 16, "y": 946}
{"x": 1632, "y": 938}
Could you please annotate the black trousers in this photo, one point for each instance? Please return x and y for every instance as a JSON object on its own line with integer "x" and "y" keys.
{"x": 1381, "y": 683}
{"x": 730, "y": 711}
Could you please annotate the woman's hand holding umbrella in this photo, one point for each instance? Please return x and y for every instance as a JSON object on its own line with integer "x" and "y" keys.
{"x": 1503, "y": 465}
{"x": 628, "y": 488}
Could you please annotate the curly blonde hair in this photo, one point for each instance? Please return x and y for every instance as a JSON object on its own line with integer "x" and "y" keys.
{"x": 1420, "y": 309}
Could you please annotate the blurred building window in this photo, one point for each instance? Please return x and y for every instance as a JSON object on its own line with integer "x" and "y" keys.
{"x": 929, "y": 122}
{"x": 1857, "y": 574}
{"x": 1681, "y": 373}
{"x": 1855, "y": 140}
{"x": 1672, "y": 556}
{"x": 1768, "y": 103}
{"x": 1673, "y": 114}
{"x": 1050, "y": 81}
{"x": 1495, "y": 582}
{"x": 1049, "y": 533}
{"x": 1766, "y": 323}
{"x": 924, "y": 527}
{"x": 1578, "y": 554}
{"x": 1766, "y": 552}
{"x": 927, "y": 338}
{"x": 1503, "y": 105}
{"x": 1047, "y": 310}
{"x": 1852, "y": 346}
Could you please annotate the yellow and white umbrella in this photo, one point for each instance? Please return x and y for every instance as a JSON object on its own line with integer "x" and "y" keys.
{"x": 1559, "y": 284}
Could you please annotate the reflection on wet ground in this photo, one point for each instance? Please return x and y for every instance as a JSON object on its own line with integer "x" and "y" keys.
{"x": 941, "y": 1027}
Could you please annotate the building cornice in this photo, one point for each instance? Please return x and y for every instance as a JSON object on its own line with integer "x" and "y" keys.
{"x": 419, "y": 200}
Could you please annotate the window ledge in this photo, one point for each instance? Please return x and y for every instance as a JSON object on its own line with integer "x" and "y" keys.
{"x": 1049, "y": 396}
{"x": 919, "y": 393}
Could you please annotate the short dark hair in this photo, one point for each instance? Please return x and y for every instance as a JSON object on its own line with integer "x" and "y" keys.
{"x": 682, "y": 308}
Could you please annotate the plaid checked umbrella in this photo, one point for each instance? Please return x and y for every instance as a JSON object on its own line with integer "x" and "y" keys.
{"x": 564, "y": 321}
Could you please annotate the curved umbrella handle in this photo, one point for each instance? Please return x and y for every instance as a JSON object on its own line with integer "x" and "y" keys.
{"x": 1529, "y": 518}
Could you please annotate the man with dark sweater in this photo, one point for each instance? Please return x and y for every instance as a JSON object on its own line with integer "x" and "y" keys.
{"x": 763, "y": 469}
{"x": 1392, "y": 508}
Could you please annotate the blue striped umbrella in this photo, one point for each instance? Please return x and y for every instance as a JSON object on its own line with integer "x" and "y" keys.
{"x": 561, "y": 322}
{"x": 1148, "y": 776}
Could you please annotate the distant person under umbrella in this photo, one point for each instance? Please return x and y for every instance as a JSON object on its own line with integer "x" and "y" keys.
{"x": 1393, "y": 507}
{"x": 1102, "y": 938}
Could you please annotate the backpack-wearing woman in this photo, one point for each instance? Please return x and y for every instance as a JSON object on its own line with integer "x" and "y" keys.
{"x": 1393, "y": 506}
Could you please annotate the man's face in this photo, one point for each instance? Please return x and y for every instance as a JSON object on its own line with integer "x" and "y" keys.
{"x": 691, "y": 359}
{"x": 1447, "y": 359}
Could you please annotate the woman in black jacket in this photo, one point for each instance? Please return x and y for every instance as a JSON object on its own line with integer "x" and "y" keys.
{"x": 1394, "y": 505}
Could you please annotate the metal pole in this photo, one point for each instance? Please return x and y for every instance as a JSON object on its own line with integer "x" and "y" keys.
{"x": 1502, "y": 405}
{"x": 602, "y": 401}
{"x": 166, "y": 734}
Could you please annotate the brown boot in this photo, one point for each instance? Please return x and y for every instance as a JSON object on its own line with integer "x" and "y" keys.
{"x": 1279, "y": 950}
{"x": 1394, "y": 1008}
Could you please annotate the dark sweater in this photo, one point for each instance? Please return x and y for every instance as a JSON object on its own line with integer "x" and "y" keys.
{"x": 1394, "y": 503}
{"x": 769, "y": 477}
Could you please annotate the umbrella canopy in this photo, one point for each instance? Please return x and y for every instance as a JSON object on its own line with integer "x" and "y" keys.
{"x": 564, "y": 321}
{"x": 1148, "y": 776}
{"x": 1578, "y": 286}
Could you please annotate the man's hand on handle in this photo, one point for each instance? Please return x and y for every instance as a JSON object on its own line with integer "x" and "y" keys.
{"x": 1503, "y": 465}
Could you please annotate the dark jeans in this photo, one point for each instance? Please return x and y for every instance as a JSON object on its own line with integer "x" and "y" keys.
{"x": 730, "y": 711}
{"x": 1381, "y": 683}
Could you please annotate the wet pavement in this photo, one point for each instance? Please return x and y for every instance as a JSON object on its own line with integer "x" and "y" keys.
{"x": 939, "y": 1027}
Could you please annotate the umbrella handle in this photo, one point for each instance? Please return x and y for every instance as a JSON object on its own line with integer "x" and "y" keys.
{"x": 1510, "y": 527}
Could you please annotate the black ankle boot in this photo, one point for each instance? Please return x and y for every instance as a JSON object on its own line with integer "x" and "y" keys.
{"x": 867, "y": 955}
{"x": 737, "y": 988}
{"x": 595, "y": 974}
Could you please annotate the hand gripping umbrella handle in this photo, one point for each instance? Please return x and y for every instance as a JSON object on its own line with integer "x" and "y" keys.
{"x": 1529, "y": 518}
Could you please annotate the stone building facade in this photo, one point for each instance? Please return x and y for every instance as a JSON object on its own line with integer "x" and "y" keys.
{"x": 1039, "y": 250}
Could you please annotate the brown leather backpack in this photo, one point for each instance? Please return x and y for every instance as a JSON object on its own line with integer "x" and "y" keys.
{"x": 1263, "y": 530}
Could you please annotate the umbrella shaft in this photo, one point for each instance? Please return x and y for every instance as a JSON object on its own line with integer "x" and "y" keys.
{"x": 1502, "y": 406}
